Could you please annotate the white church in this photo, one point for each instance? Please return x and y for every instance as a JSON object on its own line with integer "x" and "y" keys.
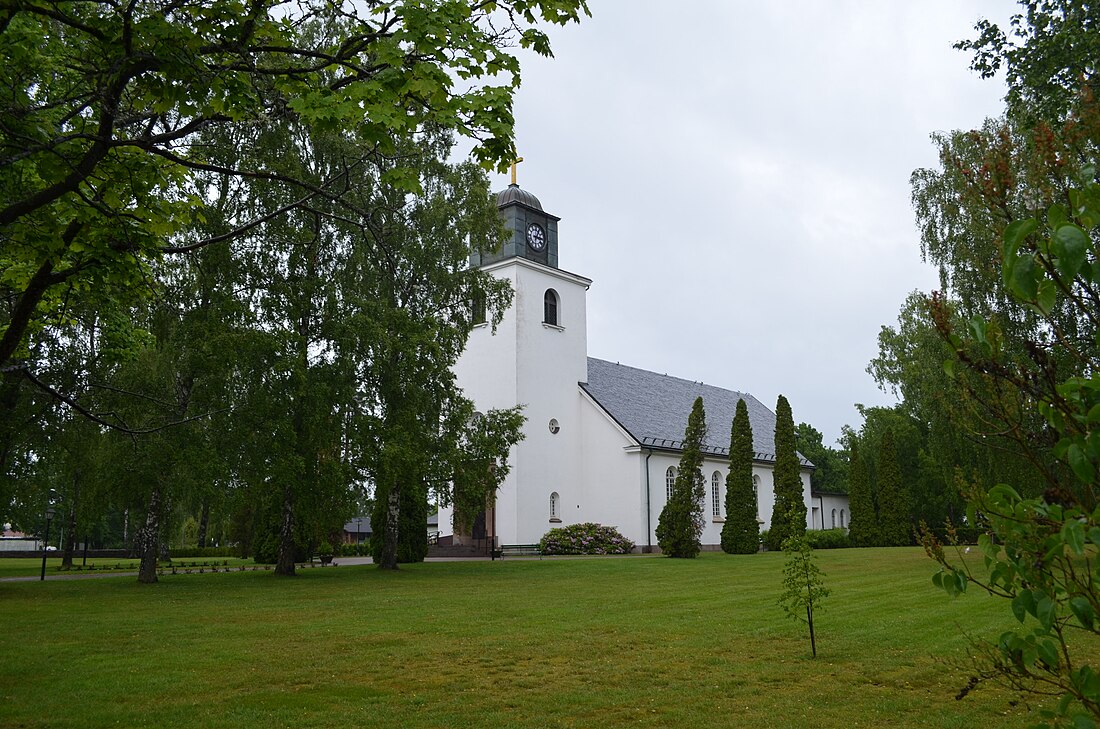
{"x": 602, "y": 440}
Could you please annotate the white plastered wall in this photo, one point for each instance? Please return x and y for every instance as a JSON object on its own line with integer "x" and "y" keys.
{"x": 611, "y": 475}
{"x": 830, "y": 505}
{"x": 712, "y": 530}
{"x": 537, "y": 365}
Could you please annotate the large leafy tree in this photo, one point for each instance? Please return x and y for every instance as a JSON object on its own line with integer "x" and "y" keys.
{"x": 135, "y": 139}
{"x": 680, "y": 525}
{"x": 789, "y": 511}
{"x": 363, "y": 307}
{"x": 412, "y": 322}
{"x": 830, "y": 465}
{"x": 105, "y": 107}
{"x": 929, "y": 483}
{"x": 741, "y": 532}
{"x": 1048, "y": 56}
{"x": 1024, "y": 326}
{"x": 182, "y": 373}
{"x": 1012, "y": 168}
{"x": 1039, "y": 551}
{"x": 946, "y": 423}
{"x": 331, "y": 333}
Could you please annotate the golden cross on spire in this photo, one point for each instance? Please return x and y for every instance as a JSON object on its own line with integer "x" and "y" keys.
{"x": 515, "y": 162}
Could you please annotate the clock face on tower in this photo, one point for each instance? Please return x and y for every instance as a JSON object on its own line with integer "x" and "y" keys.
{"x": 536, "y": 237}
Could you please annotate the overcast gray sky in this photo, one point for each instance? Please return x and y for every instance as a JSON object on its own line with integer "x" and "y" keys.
{"x": 734, "y": 177}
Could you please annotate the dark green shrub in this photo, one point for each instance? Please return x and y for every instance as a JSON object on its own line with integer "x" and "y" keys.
{"x": 587, "y": 538}
{"x": 265, "y": 547}
{"x": 773, "y": 539}
{"x": 828, "y": 539}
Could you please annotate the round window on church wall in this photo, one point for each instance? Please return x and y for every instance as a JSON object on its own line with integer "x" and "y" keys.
{"x": 554, "y": 427}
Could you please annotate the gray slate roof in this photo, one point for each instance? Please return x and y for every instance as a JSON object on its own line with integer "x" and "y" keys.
{"x": 361, "y": 524}
{"x": 654, "y": 409}
{"x": 358, "y": 525}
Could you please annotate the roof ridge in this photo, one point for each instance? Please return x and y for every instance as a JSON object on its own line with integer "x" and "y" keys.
{"x": 653, "y": 408}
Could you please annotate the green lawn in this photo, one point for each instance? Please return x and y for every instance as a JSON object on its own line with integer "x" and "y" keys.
{"x": 644, "y": 641}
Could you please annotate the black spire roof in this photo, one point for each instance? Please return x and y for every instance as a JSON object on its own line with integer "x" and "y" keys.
{"x": 515, "y": 194}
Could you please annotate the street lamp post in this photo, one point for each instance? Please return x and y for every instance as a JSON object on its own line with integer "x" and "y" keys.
{"x": 50, "y": 513}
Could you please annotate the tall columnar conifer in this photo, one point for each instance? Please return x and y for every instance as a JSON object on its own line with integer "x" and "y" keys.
{"x": 893, "y": 499}
{"x": 789, "y": 513}
{"x": 863, "y": 528}
{"x": 741, "y": 532}
{"x": 680, "y": 525}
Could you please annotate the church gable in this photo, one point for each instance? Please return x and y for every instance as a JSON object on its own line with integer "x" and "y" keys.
{"x": 653, "y": 408}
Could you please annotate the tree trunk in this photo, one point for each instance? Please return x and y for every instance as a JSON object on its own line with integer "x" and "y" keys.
{"x": 20, "y": 317}
{"x": 204, "y": 519}
{"x": 285, "y": 564}
{"x": 70, "y": 528}
{"x": 299, "y": 386}
{"x": 25, "y": 305}
{"x": 148, "y": 539}
{"x": 390, "y": 529}
{"x": 10, "y": 386}
{"x": 810, "y": 620}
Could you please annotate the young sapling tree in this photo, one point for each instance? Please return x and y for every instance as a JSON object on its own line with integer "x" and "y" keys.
{"x": 803, "y": 584}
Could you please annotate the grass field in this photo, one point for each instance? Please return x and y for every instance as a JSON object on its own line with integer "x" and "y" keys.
{"x": 568, "y": 642}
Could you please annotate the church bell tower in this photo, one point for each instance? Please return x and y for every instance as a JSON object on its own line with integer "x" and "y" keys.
{"x": 532, "y": 232}
{"x": 535, "y": 359}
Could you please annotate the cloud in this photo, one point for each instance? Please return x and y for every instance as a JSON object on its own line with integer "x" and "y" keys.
{"x": 734, "y": 178}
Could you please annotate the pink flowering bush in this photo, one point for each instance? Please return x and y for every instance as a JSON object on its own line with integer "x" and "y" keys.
{"x": 585, "y": 538}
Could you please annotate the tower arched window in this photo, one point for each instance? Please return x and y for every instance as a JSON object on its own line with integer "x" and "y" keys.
{"x": 555, "y": 514}
{"x": 670, "y": 481}
{"x": 716, "y": 494}
{"x": 842, "y": 518}
{"x": 550, "y": 307}
{"x": 477, "y": 309}
{"x": 834, "y": 518}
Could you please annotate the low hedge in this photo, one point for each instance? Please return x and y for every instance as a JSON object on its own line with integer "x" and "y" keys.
{"x": 828, "y": 539}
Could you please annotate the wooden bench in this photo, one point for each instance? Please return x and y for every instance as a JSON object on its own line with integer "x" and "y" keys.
{"x": 517, "y": 550}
